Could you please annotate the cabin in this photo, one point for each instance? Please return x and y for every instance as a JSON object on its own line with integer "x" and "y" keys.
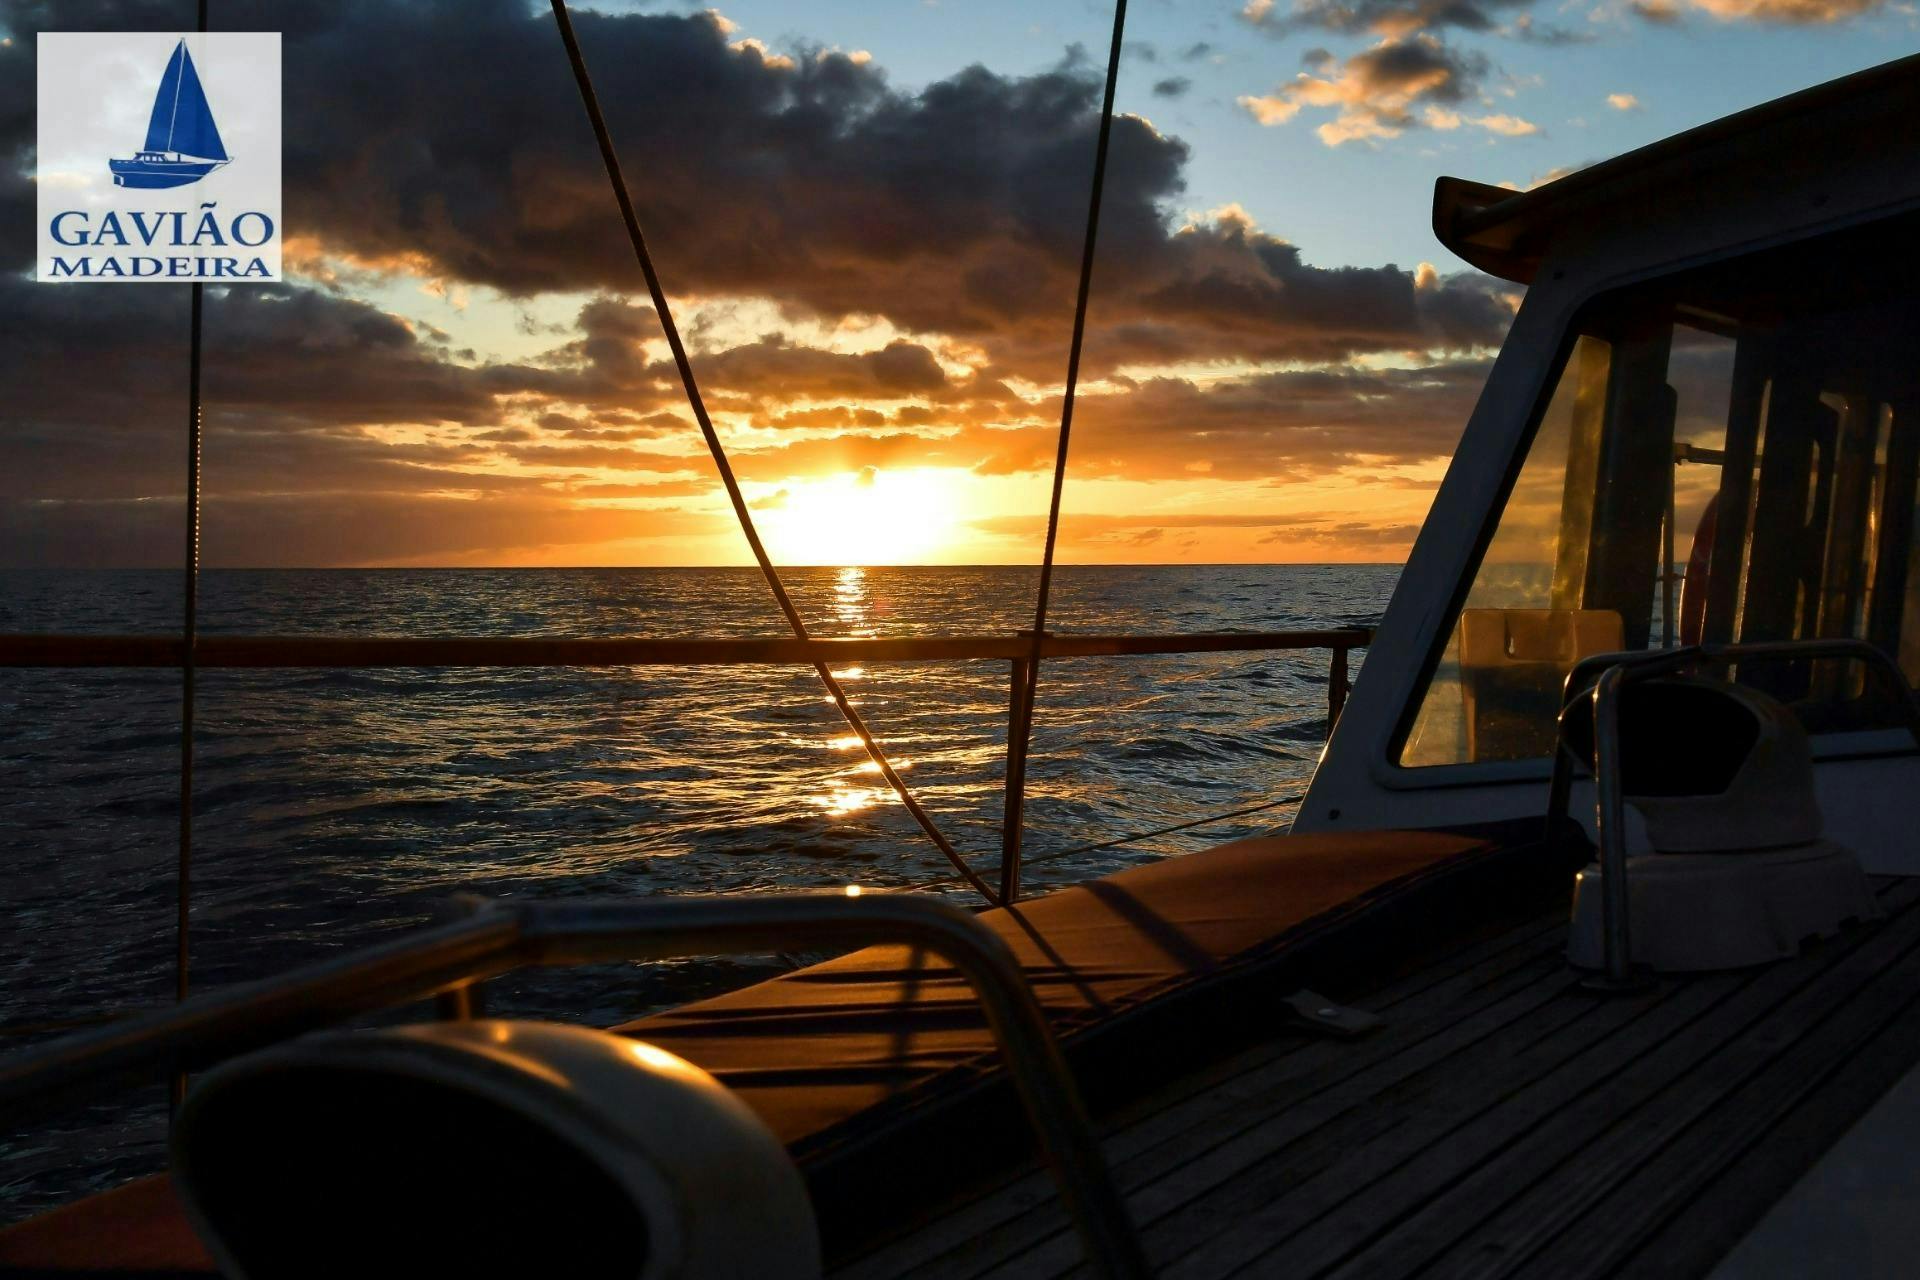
{"x": 1703, "y": 427}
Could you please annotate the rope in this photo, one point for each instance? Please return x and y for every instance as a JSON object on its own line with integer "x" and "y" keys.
{"x": 1138, "y": 836}
{"x": 1016, "y": 780}
{"x": 714, "y": 447}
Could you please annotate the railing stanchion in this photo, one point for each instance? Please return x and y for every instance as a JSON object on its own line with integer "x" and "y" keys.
{"x": 1019, "y": 726}
{"x": 1337, "y": 685}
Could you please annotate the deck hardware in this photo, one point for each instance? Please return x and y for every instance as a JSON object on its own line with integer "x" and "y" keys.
{"x": 1600, "y": 678}
{"x": 1312, "y": 1011}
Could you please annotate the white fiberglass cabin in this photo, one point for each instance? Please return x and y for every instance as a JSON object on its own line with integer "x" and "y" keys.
{"x": 1704, "y": 427}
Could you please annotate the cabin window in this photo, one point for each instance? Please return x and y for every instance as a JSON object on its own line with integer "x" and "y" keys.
{"x": 1728, "y": 456}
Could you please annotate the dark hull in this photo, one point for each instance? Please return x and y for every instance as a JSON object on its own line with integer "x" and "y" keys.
{"x": 153, "y": 174}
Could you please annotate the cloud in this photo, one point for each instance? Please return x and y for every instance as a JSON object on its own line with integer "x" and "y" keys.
{"x": 1623, "y": 102}
{"x": 1396, "y": 85}
{"x": 1320, "y": 534}
{"x": 1398, "y": 19}
{"x": 940, "y": 225}
{"x": 1172, "y": 87}
{"x": 1770, "y": 12}
{"x": 1523, "y": 28}
{"x": 334, "y": 529}
{"x": 1394, "y": 19}
{"x": 1551, "y": 175}
{"x": 1507, "y": 126}
{"x": 955, "y": 210}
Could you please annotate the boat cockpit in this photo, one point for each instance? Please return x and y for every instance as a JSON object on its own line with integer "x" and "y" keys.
{"x": 1729, "y": 455}
{"x": 1703, "y": 429}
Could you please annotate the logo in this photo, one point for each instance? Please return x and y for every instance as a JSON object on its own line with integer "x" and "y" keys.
{"x": 199, "y": 197}
{"x": 183, "y": 142}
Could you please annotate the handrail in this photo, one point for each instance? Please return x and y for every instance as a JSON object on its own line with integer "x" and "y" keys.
{"x": 1615, "y": 672}
{"x": 499, "y": 938}
{"x": 50, "y": 650}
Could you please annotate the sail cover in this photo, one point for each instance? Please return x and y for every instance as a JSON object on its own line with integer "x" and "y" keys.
{"x": 182, "y": 122}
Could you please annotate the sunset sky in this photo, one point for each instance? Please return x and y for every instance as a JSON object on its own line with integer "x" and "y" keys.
{"x": 868, "y": 214}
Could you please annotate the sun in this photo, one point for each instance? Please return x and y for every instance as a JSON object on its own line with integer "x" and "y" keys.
{"x": 861, "y": 517}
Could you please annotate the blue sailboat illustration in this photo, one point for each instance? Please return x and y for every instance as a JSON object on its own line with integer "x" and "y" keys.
{"x": 183, "y": 143}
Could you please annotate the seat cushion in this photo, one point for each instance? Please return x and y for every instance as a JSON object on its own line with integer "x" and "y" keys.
{"x": 814, "y": 1049}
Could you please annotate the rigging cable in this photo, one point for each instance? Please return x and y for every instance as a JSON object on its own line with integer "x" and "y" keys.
{"x": 189, "y": 638}
{"x": 1023, "y": 729}
{"x": 612, "y": 160}
{"x": 1212, "y": 819}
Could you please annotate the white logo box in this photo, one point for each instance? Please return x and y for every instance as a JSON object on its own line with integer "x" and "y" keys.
{"x": 126, "y": 188}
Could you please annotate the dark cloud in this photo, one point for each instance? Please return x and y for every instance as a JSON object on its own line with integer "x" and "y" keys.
{"x": 1270, "y": 426}
{"x": 1325, "y": 532}
{"x": 338, "y": 433}
{"x": 1396, "y": 19}
{"x": 1797, "y": 13}
{"x": 1552, "y": 35}
{"x": 1172, "y": 87}
{"x": 328, "y": 529}
{"x": 1665, "y": 13}
{"x": 1391, "y": 18}
{"x": 804, "y": 179}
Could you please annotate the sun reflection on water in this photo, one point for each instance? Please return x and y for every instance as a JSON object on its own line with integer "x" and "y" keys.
{"x": 842, "y": 799}
{"x": 850, "y": 600}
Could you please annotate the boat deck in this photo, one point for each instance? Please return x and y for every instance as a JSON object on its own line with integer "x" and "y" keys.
{"x": 1501, "y": 1122}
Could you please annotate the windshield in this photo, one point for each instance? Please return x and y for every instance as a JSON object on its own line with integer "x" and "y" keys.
{"x": 1725, "y": 455}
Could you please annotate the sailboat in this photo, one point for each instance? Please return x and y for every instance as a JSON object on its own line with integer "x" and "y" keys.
{"x": 1551, "y": 1043}
{"x": 183, "y": 143}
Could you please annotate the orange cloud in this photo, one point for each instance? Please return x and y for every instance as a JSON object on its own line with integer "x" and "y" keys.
{"x": 1405, "y": 80}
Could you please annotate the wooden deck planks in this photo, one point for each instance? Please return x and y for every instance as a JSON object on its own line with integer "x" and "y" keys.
{"x": 1217, "y": 1103}
{"x": 1539, "y": 1181}
{"x": 1737, "y": 1099}
{"x": 1290, "y": 1107}
{"x": 1501, "y": 1123}
{"x": 1502, "y": 981}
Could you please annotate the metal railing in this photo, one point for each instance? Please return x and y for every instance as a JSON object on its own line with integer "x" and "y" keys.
{"x": 1600, "y": 679}
{"x": 445, "y": 962}
{"x": 214, "y": 652}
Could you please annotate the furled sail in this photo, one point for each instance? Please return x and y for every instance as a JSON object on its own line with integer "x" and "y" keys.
{"x": 182, "y": 123}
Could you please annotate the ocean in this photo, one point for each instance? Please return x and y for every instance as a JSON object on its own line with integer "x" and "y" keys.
{"x": 333, "y": 808}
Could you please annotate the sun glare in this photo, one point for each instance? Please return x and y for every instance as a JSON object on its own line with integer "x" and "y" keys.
{"x": 862, "y": 517}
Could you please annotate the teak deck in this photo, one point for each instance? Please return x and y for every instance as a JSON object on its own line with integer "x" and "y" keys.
{"x": 1502, "y": 1122}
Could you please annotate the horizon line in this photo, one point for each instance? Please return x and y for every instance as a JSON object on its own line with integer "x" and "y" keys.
{"x": 577, "y": 568}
